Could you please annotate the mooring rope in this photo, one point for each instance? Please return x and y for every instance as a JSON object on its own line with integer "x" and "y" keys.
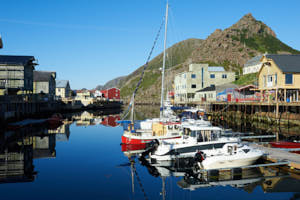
{"x": 140, "y": 183}
{"x": 145, "y": 67}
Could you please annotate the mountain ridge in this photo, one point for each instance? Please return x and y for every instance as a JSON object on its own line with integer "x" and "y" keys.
{"x": 230, "y": 48}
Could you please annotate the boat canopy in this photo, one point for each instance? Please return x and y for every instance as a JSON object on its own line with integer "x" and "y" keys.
{"x": 202, "y": 128}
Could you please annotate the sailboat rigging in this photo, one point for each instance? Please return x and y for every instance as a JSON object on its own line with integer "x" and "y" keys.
{"x": 167, "y": 126}
{"x": 164, "y": 64}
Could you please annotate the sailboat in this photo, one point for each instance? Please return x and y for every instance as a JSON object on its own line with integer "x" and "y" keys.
{"x": 167, "y": 126}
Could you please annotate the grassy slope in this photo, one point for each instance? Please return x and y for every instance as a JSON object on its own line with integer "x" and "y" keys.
{"x": 264, "y": 42}
{"x": 246, "y": 79}
{"x": 177, "y": 54}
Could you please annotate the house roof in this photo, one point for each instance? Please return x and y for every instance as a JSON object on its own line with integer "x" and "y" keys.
{"x": 246, "y": 87}
{"x": 15, "y": 60}
{"x": 62, "y": 83}
{"x": 253, "y": 61}
{"x": 42, "y": 75}
{"x": 216, "y": 69}
{"x": 286, "y": 63}
{"x": 208, "y": 89}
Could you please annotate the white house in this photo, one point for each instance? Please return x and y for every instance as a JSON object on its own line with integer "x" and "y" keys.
{"x": 253, "y": 65}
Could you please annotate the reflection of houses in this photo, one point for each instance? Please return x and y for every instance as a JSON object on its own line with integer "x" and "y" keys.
{"x": 44, "y": 83}
{"x": 85, "y": 119}
{"x": 16, "y": 164}
{"x": 16, "y": 74}
{"x": 198, "y": 77}
{"x": 18, "y": 149}
{"x": 63, "y": 89}
{"x": 279, "y": 78}
{"x": 62, "y": 133}
{"x": 43, "y": 146}
{"x": 110, "y": 120}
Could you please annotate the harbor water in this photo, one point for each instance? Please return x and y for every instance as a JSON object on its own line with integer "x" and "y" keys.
{"x": 83, "y": 159}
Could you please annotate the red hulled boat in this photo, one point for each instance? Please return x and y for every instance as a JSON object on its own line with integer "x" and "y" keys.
{"x": 286, "y": 145}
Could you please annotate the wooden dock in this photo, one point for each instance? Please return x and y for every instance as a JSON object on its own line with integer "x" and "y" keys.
{"x": 278, "y": 155}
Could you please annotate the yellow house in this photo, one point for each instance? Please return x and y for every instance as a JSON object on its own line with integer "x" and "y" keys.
{"x": 279, "y": 78}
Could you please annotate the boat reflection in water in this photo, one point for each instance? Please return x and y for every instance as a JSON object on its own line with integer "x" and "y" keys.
{"x": 270, "y": 179}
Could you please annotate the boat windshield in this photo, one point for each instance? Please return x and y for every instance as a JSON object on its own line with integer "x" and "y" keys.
{"x": 205, "y": 135}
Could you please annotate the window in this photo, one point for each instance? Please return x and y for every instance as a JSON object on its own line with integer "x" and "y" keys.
{"x": 288, "y": 78}
{"x": 265, "y": 81}
{"x": 224, "y": 75}
{"x": 212, "y": 85}
{"x": 212, "y": 76}
{"x": 275, "y": 79}
{"x": 193, "y": 75}
{"x": 193, "y": 85}
{"x": 270, "y": 78}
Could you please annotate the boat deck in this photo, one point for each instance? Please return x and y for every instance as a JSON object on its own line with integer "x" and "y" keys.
{"x": 277, "y": 155}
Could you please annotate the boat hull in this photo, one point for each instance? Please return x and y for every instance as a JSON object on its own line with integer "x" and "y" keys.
{"x": 217, "y": 163}
{"x": 286, "y": 145}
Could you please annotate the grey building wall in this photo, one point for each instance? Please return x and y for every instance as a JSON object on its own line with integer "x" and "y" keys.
{"x": 198, "y": 77}
{"x": 16, "y": 77}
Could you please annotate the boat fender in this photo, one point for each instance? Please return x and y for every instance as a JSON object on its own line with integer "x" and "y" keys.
{"x": 230, "y": 150}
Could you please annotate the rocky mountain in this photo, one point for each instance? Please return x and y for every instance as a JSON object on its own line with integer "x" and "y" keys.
{"x": 230, "y": 48}
{"x": 112, "y": 83}
{"x": 235, "y": 45}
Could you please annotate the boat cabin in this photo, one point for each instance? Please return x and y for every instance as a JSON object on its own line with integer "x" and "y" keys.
{"x": 203, "y": 134}
{"x": 164, "y": 128}
{"x": 154, "y": 128}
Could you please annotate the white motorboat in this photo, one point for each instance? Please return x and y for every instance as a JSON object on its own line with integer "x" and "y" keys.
{"x": 196, "y": 138}
{"x": 231, "y": 155}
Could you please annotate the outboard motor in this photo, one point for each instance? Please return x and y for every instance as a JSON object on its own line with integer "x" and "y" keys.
{"x": 152, "y": 147}
{"x": 199, "y": 157}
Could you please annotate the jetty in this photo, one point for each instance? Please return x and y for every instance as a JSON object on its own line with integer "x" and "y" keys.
{"x": 279, "y": 155}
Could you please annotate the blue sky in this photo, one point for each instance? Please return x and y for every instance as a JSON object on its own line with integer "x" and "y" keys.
{"x": 92, "y": 41}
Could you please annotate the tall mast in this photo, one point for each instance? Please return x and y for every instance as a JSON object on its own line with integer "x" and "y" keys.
{"x": 164, "y": 63}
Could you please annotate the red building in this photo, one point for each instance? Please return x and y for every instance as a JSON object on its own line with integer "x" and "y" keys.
{"x": 112, "y": 93}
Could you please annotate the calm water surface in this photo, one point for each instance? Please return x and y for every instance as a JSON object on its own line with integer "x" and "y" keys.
{"x": 83, "y": 160}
